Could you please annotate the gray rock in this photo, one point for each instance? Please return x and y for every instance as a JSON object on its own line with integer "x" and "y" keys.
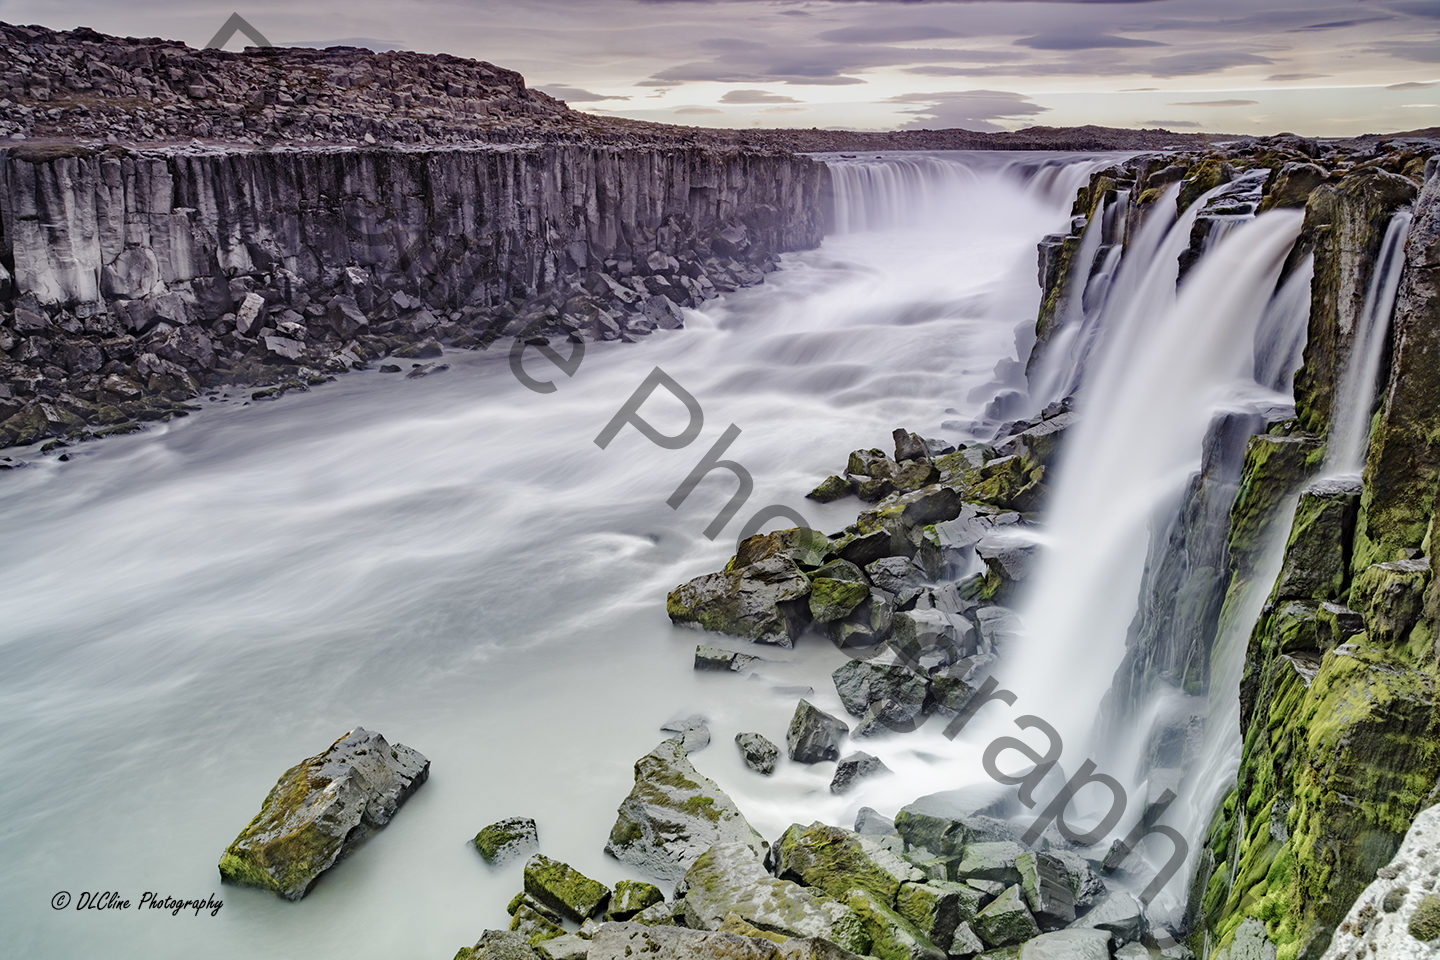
{"x": 498, "y": 945}
{"x": 630, "y": 897}
{"x": 872, "y": 822}
{"x": 321, "y": 809}
{"x": 567, "y": 946}
{"x": 504, "y": 840}
{"x": 691, "y": 732}
{"x": 624, "y": 941}
{"x": 730, "y": 879}
{"x": 894, "y": 695}
{"x": 673, "y": 814}
{"x": 994, "y": 860}
{"x": 716, "y": 658}
{"x": 1117, "y": 913}
{"x": 1068, "y": 945}
{"x": 853, "y": 768}
{"x": 758, "y": 752}
{"x": 909, "y": 446}
{"x": 814, "y": 735}
{"x": 1005, "y": 921}
{"x": 1048, "y": 889}
{"x": 763, "y": 601}
{"x": 965, "y": 943}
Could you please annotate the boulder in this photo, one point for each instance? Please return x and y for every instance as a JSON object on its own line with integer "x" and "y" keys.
{"x": 892, "y": 694}
{"x": 806, "y": 547}
{"x": 832, "y": 599}
{"x": 567, "y": 946}
{"x": 1068, "y": 945}
{"x": 1048, "y": 889}
{"x": 835, "y": 861}
{"x": 909, "y": 446}
{"x": 673, "y": 814}
{"x": 853, "y": 768}
{"x": 630, "y": 897}
{"x": 498, "y": 945}
{"x": 762, "y": 601}
{"x": 1117, "y": 913}
{"x": 1317, "y": 555}
{"x": 729, "y": 879}
{"x": 533, "y": 924}
{"x": 995, "y": 860}
{"x": 891, "y": 936}
{"x": 965, "y": 943}
{"x": 622, "y": 941}
{"x": 321, "y": 809}
{"x": 830, "y": 489}
{"x": 872, "y": 821}
{"x": 564, "y": 889}
{"x": 758, "y": 752}
{"x": 1006, "y": 921}
{"x": 1388, "y": 597}
{"x": 936, "y": 909}
{"x": 814, "y": 735}
{"x": 504, "y": 840}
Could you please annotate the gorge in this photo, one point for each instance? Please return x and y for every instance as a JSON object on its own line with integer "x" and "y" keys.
{"x": 1176, "y": 499}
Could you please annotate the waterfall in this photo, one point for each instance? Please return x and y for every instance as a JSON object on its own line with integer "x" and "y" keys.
{"x": 889, "y": 191}
{"x": 1280, "y": 342}
{"x": 1160, "y": 376}
{"x": 1354, "y": 399}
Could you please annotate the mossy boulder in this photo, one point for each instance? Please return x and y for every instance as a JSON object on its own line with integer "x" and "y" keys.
{"x": 630, "y": 897}
{"x": 623, "y": 941}
{"x": 937, "y": 908}
{"x": 729, "y": 879}
{"x": 673, "y": 814}
{"x": 1006, "y": 920}
{"x": 832, "y": 488}
{"x": 534, "y": 925}
{"x": 807, "y": 548}
{"x": 1389, "y": 597}
{"x": 1276, "y": 467}
{"x": 835, "y": 861}
{"x": 764, "y": 601}
{"x": 1292, "y": 185}
{"x": 564, "y": 889}
{"x": 835, "y": 599}
{"x": 891, "y": 936}
{"x": 320, "y": 810}
{"x": 499, "y": 945}
{"x": 506, "y": 839}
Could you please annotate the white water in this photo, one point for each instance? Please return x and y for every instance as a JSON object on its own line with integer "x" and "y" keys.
{"x": 453, "y": 562}
{"x": 1354, "y": 400}
{"x": 1158, "y": 380}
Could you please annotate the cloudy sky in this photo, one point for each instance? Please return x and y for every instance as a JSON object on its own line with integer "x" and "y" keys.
{"x": 1323, "y": 67}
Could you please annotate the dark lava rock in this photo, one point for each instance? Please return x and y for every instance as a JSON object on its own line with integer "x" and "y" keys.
{"x": 814, "y": 735}
{"x": 854, "y": 768}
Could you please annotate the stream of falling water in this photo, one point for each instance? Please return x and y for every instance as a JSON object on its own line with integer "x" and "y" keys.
{"x": 453, "y": 562}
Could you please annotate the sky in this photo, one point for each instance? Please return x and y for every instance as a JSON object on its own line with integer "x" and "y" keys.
{"x": 1315, "y": 67}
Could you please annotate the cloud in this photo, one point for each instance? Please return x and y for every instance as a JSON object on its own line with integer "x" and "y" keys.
{"x": 1339, "y": 24}
{"x": 755, "y": 96}
{"x": 967, "y": 109}
{"x": 1083, "y": 41}
{"x": 1170, "y": 124}
{"x": 1288, "y": 77}
{"x": 1207, "y": 61}
{"x": 895, "y": 34}
{"x": 785, "y": 110}
{"x": 1411, "y": 85}
{"x": 696, "y": 111}
{"x": 574, "y": 94}
{"x": 1214, "y": 103}
{"x": 1421, "y": 51}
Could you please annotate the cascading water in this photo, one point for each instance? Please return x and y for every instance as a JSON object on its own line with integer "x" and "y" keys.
{"x": 1354, "y": 399}
{"x": 452, "y": 561}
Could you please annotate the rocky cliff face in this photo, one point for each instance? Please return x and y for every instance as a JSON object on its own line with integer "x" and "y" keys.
{"x": 1340, "y": 708}
{"x": 134, "y": 278}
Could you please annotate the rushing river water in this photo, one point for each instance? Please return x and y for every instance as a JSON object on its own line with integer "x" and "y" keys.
{"x": 452, "y": 561}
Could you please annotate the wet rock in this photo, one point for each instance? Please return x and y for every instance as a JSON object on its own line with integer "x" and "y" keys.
{"x": 533, "y": 922}
{"x": 929, "y": 637}
{"x": 1005, "y": 921}
{"x": 872, "y": 822}
{"x": 623, "y": 941}
{"x": 965, "y": 943}
{"x": 691, "y": 731}
{"x": 909, "y": 446}
{"x": 1046, "y": 884}
{"x": 834, "y": 599}
{"x": 499, "y": 945}
{"x": 853, "y": 768}
{"x": 762, "y": 601}
{"x": 808, "y": 548}
{"x": 830, "y": 489}
{"x": 1317, "y": 556}
{"x": 1389, "y": 596}
{"x": 813, "y": 735}
{"x": 564, "y": 889}
{"x": 758, "y": 752}
{"x": 504, "y": 840}
{"x": 673, "y": 814}
{"x": 1118, "y": 914}
{"x": 897, "y": 575}
{"x": 891, "y": 695}
{"x": 630, "y": 897}
{"x": 716, "y": 658}
{"x": 321, "y": 809}
{"x": 1411, "y": 929}
{"x": 994, "y": 860}
{"x": 729, "y": 879}
{"x": 834, "y": 861}
{"x": 867, "y": 625}
{"x": 890, "y": 934}
{"x": 1068, "y": 945}
{"x": 936, "y": 909}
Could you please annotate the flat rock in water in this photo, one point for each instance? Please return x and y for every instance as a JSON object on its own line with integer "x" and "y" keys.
{"x": 673, "y": 814}
{"x": 320, "y": 809}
